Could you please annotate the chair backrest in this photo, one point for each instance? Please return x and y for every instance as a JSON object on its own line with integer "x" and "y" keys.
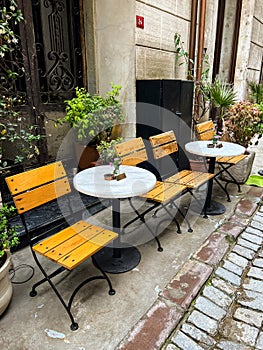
{"x": 205, "y": 131}
{"x": 33, "y": 188}
{"x": 163, "y": 144}
{"x": 131, "y": 152}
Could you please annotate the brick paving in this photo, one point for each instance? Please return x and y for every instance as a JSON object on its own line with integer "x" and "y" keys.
{"x": 216, "y": 299}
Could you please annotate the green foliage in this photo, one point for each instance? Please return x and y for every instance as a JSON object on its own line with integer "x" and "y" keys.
{"x": 181, "y": 53}
{"x": 13, "y": 130}
{"x": 106, "y": 150}
{"x": 8, "y": 234}
{"x": 93, "y": 116}
{"x": 222, "y": 96}
{"x": 243, "y": 122}
{"x": 13, "y": 127}
{"x": 9, "y": 16}
{"x": 255, "y": 92}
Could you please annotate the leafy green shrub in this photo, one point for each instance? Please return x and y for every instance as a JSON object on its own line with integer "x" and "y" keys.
{"x": 93, "y": 116}
{"x": 244, "y": 121}
{"x": 8, "y": 234}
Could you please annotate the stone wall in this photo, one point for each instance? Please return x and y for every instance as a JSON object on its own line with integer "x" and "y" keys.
{"x": 155, "y": 51}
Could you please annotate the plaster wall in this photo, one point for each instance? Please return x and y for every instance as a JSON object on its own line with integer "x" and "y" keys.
{"x": 114, "y": 22}
{"x": 210, "y": 31}
{"x": 244, "y": 47}
{"x": 256, "y": 48}
{"x": 227, "y": 39}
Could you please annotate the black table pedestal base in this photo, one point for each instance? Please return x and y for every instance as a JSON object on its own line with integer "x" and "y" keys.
{"x": 129, "y": 259}
{"x": 215, "y": 208}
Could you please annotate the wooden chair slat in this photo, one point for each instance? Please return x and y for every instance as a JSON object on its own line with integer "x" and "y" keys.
{"x": 65, "y": 247}
{"x": 103, "y": 238}
{"x": 205, "y": 131}
{"x": 163, "y": 138}
{"x": 169, "y": 193}
{"x": 190, "y": 178}
{"x": 178, "y": 176}
{"x": 129, "y": 146}
{"x": 164, "y": 191}
{"x": 231, "y": 160}
{"x": 204, "y": 126}
{"x": 36, "y": 177}
{"x": 78, "y": 255}
{"x": 131, "y": 152}
{"x": 159, "y": 188}
{"x": 165, "y": 150}
{"x": 41, "y": 195}
{"x": 207, "y": 135}
{"x": 135, "y": 158}
{"x": 53, "y": 241}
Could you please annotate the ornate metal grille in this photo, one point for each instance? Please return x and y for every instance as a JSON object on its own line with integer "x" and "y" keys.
{"x": 13, "y": 62}
{"x": 58, "y": 48}
{"x": 48, "y": 69}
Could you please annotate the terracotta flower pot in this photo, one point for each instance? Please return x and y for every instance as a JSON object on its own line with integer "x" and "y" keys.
{"x": 6, "y": 288}
{"x": 86, "y": 155}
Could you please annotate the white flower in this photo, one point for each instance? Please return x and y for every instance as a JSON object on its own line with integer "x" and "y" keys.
{"x": 12, "y": 8}
{"x": 2, "y": 54}
{"x": 15, "y": 40}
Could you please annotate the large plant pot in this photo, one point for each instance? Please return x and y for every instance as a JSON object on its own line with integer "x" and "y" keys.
{"x": 86, "y": 155}
{"x": 240, "y": 171}
{"x": 6, "y": 288}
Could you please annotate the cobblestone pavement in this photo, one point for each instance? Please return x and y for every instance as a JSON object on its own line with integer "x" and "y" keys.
{"x": 216, "y": 300}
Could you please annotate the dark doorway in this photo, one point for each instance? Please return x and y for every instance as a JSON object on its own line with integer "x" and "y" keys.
{"x": 48, "y": 59}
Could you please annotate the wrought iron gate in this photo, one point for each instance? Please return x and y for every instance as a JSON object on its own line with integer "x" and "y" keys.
{"x": 49, "y": 59}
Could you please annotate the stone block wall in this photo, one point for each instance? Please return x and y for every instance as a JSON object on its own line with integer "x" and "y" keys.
{"x": 155, "y": 51}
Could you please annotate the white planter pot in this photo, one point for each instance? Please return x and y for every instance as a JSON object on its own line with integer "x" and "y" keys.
{"x": 6, "y": 288}
{"x": 240, "y": 171}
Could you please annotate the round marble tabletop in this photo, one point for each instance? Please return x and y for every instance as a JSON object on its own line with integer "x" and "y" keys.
{"x": 200, "y": 148}
{"x": 137, "y": 182}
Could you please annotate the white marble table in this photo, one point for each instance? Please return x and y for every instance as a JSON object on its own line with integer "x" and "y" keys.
{"x": 200, "y": 148}
{"x": 119, "y": 258}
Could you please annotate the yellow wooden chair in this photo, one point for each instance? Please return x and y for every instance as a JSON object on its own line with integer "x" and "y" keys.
{"x": 133, "y": 152}
{"x": 68, "y": 247}
{"x": 205, "y": 132}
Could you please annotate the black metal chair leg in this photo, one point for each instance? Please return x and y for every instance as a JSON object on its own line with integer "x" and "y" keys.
{"x": 74, "y": 326}
{"x": 111, "y": 290}
{"x": 173, "y": 218}
{"x": 223, "y": 188}
{"x": 141, "y": 217}
{"x": 232, "y": 177}
{"x": 33, "y": 292}
{"x": 185, "y": 218}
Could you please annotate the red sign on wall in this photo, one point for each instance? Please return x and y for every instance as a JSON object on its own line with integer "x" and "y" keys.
{"x": 140, "y": 22}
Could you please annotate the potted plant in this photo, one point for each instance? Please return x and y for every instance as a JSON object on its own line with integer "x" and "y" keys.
{"x": 106, "y": 150}
{"x": 8, "y": 240}
{"x": 92, "y": 117}
{"x": 244, "y": 125}
{"x": 222, "y": 97}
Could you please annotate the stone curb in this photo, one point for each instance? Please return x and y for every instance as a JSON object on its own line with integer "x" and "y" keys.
{"x": 153, "y": 330}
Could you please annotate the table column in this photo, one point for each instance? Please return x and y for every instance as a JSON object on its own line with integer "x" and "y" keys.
{"x": 120, "y": 257}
